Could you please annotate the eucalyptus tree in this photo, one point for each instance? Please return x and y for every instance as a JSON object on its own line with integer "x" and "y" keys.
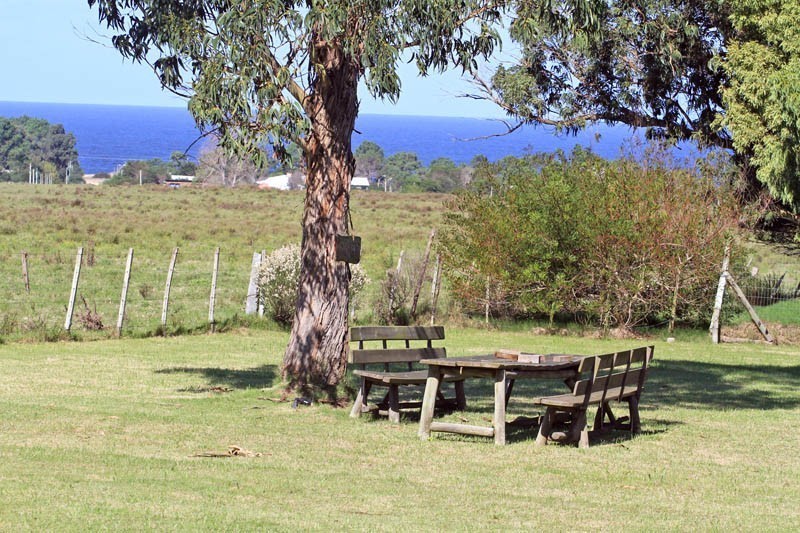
{"x": 279, "y": 71}
{"x": 654, "y": 64}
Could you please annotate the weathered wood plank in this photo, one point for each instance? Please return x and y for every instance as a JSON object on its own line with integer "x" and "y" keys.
{"x": 499, "y": 417}
{"x": 429, "y": 402}
{"x": 395, "y": 355}
{"x": 413, "y": 377}
{"x": 168, "y": 285}
{"x": 462, "y": 429}
{"x": 123, "y": 300}
{"x": 478, "y": 362}
{"x": 608, "y": 377}
{"x": 397, "y": 333}
{"x": 212, "y": 299}
{"x": 74, "y": 291}
{"x": 714, "y": 328}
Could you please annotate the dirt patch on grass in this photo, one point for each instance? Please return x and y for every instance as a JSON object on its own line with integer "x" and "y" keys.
{"x": 783, "y": 334}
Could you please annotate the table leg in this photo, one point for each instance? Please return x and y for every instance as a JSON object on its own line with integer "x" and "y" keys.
{"x": 499, "y": 419}
{"x": 509, "y": 388}
{"x": 429, "y": 401}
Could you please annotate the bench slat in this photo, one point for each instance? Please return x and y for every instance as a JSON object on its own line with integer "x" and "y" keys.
{"x": 606, "y": 361}
{"x": 415, "y": 377}
{"x": 391, "y": 347}
{"x": 615, "y": 381}
{"x": 395, "y": 355}
{"x": 572, "y": 401}
{"x": 396, "y": 333}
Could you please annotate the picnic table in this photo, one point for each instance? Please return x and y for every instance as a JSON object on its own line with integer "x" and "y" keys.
{"x": 504, "y": 372}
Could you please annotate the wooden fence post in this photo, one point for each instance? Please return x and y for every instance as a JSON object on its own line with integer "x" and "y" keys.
{"x": 395, "y": 280}
{"x": 75, "y": 277}
{"x": 421, "y": 279}
{"x": 124, "y": 298}
{"x": 714, "y": 328}
{"x": 213, "y": 298}
{"x": 25, "y": 277}
{"x": 168, "y": 286}
{"x": 251, "y": 303}
{"x": 435, "y": 285}
{"x": 260, "y": 297}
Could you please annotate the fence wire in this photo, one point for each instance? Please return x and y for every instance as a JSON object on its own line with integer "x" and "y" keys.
{"x": 775, "y": 296}
{"x": 35, "y": 291}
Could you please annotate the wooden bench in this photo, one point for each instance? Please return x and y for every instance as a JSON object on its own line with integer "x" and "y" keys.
{"x": 614, "y": 377}
{"x": 392, "y": 364}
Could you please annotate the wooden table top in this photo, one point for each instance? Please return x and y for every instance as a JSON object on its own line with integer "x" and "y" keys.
{"x": 548, "y": 362}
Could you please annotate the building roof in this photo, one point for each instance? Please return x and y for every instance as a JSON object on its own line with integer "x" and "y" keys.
{"x": 280, "y": 182}
{"x": 360, "y": 181}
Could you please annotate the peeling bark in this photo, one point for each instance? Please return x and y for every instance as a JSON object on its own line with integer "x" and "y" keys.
{"x": 317, "y": 351}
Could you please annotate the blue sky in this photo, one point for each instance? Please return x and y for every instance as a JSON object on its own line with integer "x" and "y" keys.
{"x": 46, "y": 56}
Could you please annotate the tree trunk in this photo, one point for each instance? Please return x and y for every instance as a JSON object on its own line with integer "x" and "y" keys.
{"x": 317, "y": 351}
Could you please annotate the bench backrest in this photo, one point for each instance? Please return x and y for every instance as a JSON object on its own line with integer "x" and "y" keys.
{"x": 394, "y": 344}
{"x": 613, "y": 376}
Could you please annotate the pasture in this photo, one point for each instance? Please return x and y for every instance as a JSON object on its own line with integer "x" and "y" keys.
{"x": 134, "y": 434}
{"x": 51, "y": 223}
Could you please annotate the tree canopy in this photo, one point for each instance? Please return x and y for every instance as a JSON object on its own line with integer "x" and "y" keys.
{"x": 719, "y": 72}
{"x": 26, "y": 141}
{"x": 644, "y": 63}
{"x": 763, "y": 99}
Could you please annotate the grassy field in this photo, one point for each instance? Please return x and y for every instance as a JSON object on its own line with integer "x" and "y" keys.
{"x": 121, "y": 435}
{"x": 51, "y": 223}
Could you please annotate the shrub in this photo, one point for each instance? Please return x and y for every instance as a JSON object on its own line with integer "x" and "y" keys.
{"x": 620, "y": 242}
{"x": 279, "y": 276}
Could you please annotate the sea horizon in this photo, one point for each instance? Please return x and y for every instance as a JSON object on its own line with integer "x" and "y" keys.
{"x": 108, "y": 135}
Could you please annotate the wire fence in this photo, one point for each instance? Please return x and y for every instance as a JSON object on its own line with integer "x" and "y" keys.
{"x": 775, "y": 298}
{"x": 111, "y": 291}
{"x": 36, "y": 290}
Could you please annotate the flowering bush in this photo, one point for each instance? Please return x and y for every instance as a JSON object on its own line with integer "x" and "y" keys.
{"x": 279, "y": 276}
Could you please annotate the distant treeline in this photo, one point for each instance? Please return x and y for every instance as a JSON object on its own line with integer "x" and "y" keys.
{"x": 34, "y": 146}
{"x": 400, "y": 172}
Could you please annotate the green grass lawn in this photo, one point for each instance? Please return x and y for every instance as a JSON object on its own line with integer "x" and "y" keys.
{"x": 110, "y": 435}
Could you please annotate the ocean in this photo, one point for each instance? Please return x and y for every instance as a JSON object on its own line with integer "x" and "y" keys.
{"x": 108, "y": 136}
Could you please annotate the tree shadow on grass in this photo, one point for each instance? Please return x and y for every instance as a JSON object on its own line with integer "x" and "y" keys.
{"x": 678, "y": 384}
{"x": 683, "y": 384}
{"x": 249, "y": 378}
{"x": 701, "y": 385}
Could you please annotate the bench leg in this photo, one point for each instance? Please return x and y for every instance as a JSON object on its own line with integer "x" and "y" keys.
{"x": 361, "y": 399}
{"x": 394, "y": 404}
{"x": 461, "y": 399}
{"x": 599, "y": 418}
{"x": 604, "y": 411}
{"x": 545, "y": 428}
{"x": 579, "y": 431}
{"x": 633, "y": 408}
